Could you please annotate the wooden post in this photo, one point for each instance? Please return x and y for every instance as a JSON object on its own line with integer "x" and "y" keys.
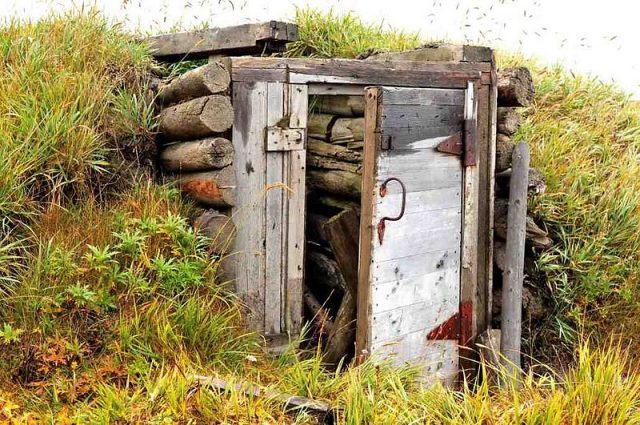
{"x": 513, "y": 275}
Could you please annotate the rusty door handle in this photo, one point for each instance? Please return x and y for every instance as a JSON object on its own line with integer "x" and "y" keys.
{"x": 383, "y": 192}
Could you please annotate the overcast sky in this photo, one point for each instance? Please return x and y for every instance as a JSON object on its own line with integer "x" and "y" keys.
{"x": 597, "y": 37}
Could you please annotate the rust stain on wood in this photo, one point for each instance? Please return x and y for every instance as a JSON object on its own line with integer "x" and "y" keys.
{"x": 203, "y": 188}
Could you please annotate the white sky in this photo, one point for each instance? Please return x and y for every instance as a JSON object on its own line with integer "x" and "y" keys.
{"x": 588, "y": 36}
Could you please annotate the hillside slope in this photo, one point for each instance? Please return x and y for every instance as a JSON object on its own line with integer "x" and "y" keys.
{"x": 110, "y": 303}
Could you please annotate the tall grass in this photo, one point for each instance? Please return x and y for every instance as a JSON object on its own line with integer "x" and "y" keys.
{"x": 110, "y": 304}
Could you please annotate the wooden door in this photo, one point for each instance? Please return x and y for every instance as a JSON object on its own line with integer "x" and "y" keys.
{"x": 270, "y": 153}
{"x": 412, "y": 227}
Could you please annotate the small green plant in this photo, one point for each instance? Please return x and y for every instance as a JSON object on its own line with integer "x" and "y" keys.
{"x": 9, "y": 335}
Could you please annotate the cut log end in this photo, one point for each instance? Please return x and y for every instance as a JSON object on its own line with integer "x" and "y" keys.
{"x": 200, "y": 155}
{"x": 212, "y": 188}
{"x": 203, "y": 81}
{"x": 197, "y": 118}
{"x": 515, "y": 87}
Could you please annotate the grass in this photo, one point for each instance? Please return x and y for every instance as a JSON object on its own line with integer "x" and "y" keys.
{"x": 110, "y": 303}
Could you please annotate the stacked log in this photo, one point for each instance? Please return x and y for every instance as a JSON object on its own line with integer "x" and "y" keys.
{"x": 334, "y": 174}
{"x": 195, "y": 118}
{"x": 515, "y": 90}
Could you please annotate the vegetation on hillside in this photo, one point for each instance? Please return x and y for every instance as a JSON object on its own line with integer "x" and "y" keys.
{"x": 110, "y": 303}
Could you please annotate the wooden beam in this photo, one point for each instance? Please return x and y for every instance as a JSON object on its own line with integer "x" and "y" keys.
{"x": 514, "y": 273}
{"x": 260, "y": 38}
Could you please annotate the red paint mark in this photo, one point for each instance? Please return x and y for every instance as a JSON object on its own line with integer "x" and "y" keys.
{"x": 466, "y": 323}
{"x": 450, "y": 329}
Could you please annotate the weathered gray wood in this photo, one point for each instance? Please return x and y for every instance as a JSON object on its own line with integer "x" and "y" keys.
{"x": 275, "y": 227}
{"x": 339, "y": 153}
{"x": 328, "y": 200}
{"x": 345, "y": 106}
{"x": 504, "y": 152}
{"x": 213, "y": 188}
{"x": 336, "y": 89}
{"x": 441, "y": 53}
{"x": 324, "y": 272}
{"x": 197, "y": 118}
{"x": 199, "y": 155}
{"x": 342, "y": 183}
{"x": 206, "y": 80}
{"x": 512, "y": 283}
{"x": 342, "y": 233}
{"x": 345, "y": 71}
{"x": 410, "y": 275}
{"x": 515, "y": 87}
{"x": 296, "y": 181}
{"x": 219, "y": 228}
{"x": 321, "y": 162}
{"x": 296, "y": 403}
{"x": 250, "y": 100}
{"x": 508, "y": 120}
{"x": 332, "y": 129}
{"x": 264, "y": 37}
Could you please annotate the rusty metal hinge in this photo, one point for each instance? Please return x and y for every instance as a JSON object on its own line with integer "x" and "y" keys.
{"x": 465, "y": 146}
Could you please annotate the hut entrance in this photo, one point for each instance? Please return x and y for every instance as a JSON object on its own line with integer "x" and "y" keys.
{"x": 385, "y": 223}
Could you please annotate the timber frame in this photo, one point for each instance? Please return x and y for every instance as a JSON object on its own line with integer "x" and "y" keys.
{"x": 343, "y": 76}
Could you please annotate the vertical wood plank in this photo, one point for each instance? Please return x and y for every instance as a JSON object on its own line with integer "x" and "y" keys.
{"x": 298, "y": 110}
{"x": 484, "y": 194}
{"x": 493, "y": 132}
{"x": 250, "y": 105}
{"x": 469, "y": 272}
{"x": 274, "y": 217}
{"x": 367, "y": 222}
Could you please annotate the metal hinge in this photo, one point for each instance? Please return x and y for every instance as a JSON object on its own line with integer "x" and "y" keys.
{"x": 465, "y": 146}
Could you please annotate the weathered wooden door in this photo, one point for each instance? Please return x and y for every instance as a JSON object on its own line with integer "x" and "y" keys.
{"x": 270, "y": 153}
{"x": 413, "y": 209}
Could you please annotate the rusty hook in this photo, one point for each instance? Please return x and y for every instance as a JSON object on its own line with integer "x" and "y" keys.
{"x": 383, "y": 192}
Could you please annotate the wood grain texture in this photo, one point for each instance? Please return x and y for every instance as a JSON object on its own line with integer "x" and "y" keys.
{"x": 196, "y": 118}
{"x": 240, "y": 39}
{"x": 274, "y": 217}
{"x": 296, "y": 180}
{"x": 412, "y": 274}
{"x": 206, "y": 80}
{"x": 250, "y": 100}
{"x": 198, "y": 155}
{"x": 213, "y": 188}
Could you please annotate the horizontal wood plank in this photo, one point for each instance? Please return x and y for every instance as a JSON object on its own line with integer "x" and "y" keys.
{"x": 445, "y": 239}
{"x": 425, "y": 288}
{"x": 239, "y": 39}
{"x": 415, "y": 265}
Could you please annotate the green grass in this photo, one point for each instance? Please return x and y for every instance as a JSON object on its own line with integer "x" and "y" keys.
{"x": 110, "y": 302}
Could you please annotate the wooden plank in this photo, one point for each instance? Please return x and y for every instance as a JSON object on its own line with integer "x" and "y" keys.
{"x": 259, "y": 74}
{"x": 442, "y": 53}
{"x": 399, "y": 78}
{"x": 263, "y": 37}
{"x": 416, "y": 265}
{"x": 367, "y": 223}
{"x": 418, "y": 137}
{"x": 422, "y": 223}
{"x": 421, "y": 243}
{"x": 336, "y": 89}
{"x": 409, "y": 318}
{"x": 406, "y": 96}
{"x": 485, "y": 203}
{"x": 418, "y": 202}
{"x": 250, "y": 104}
{"x": 298, "y": 107}
{"x": 491, "y": 172}
{"x": 428, "y": 179}
{"x": 274, "y": 219}
{"x": 439, "y": 359}
{"x": 404, "y": 116}
{"x": 469, "y": 276}
{"x": 419, "y": 289}
{"x": 402, "y": 160}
